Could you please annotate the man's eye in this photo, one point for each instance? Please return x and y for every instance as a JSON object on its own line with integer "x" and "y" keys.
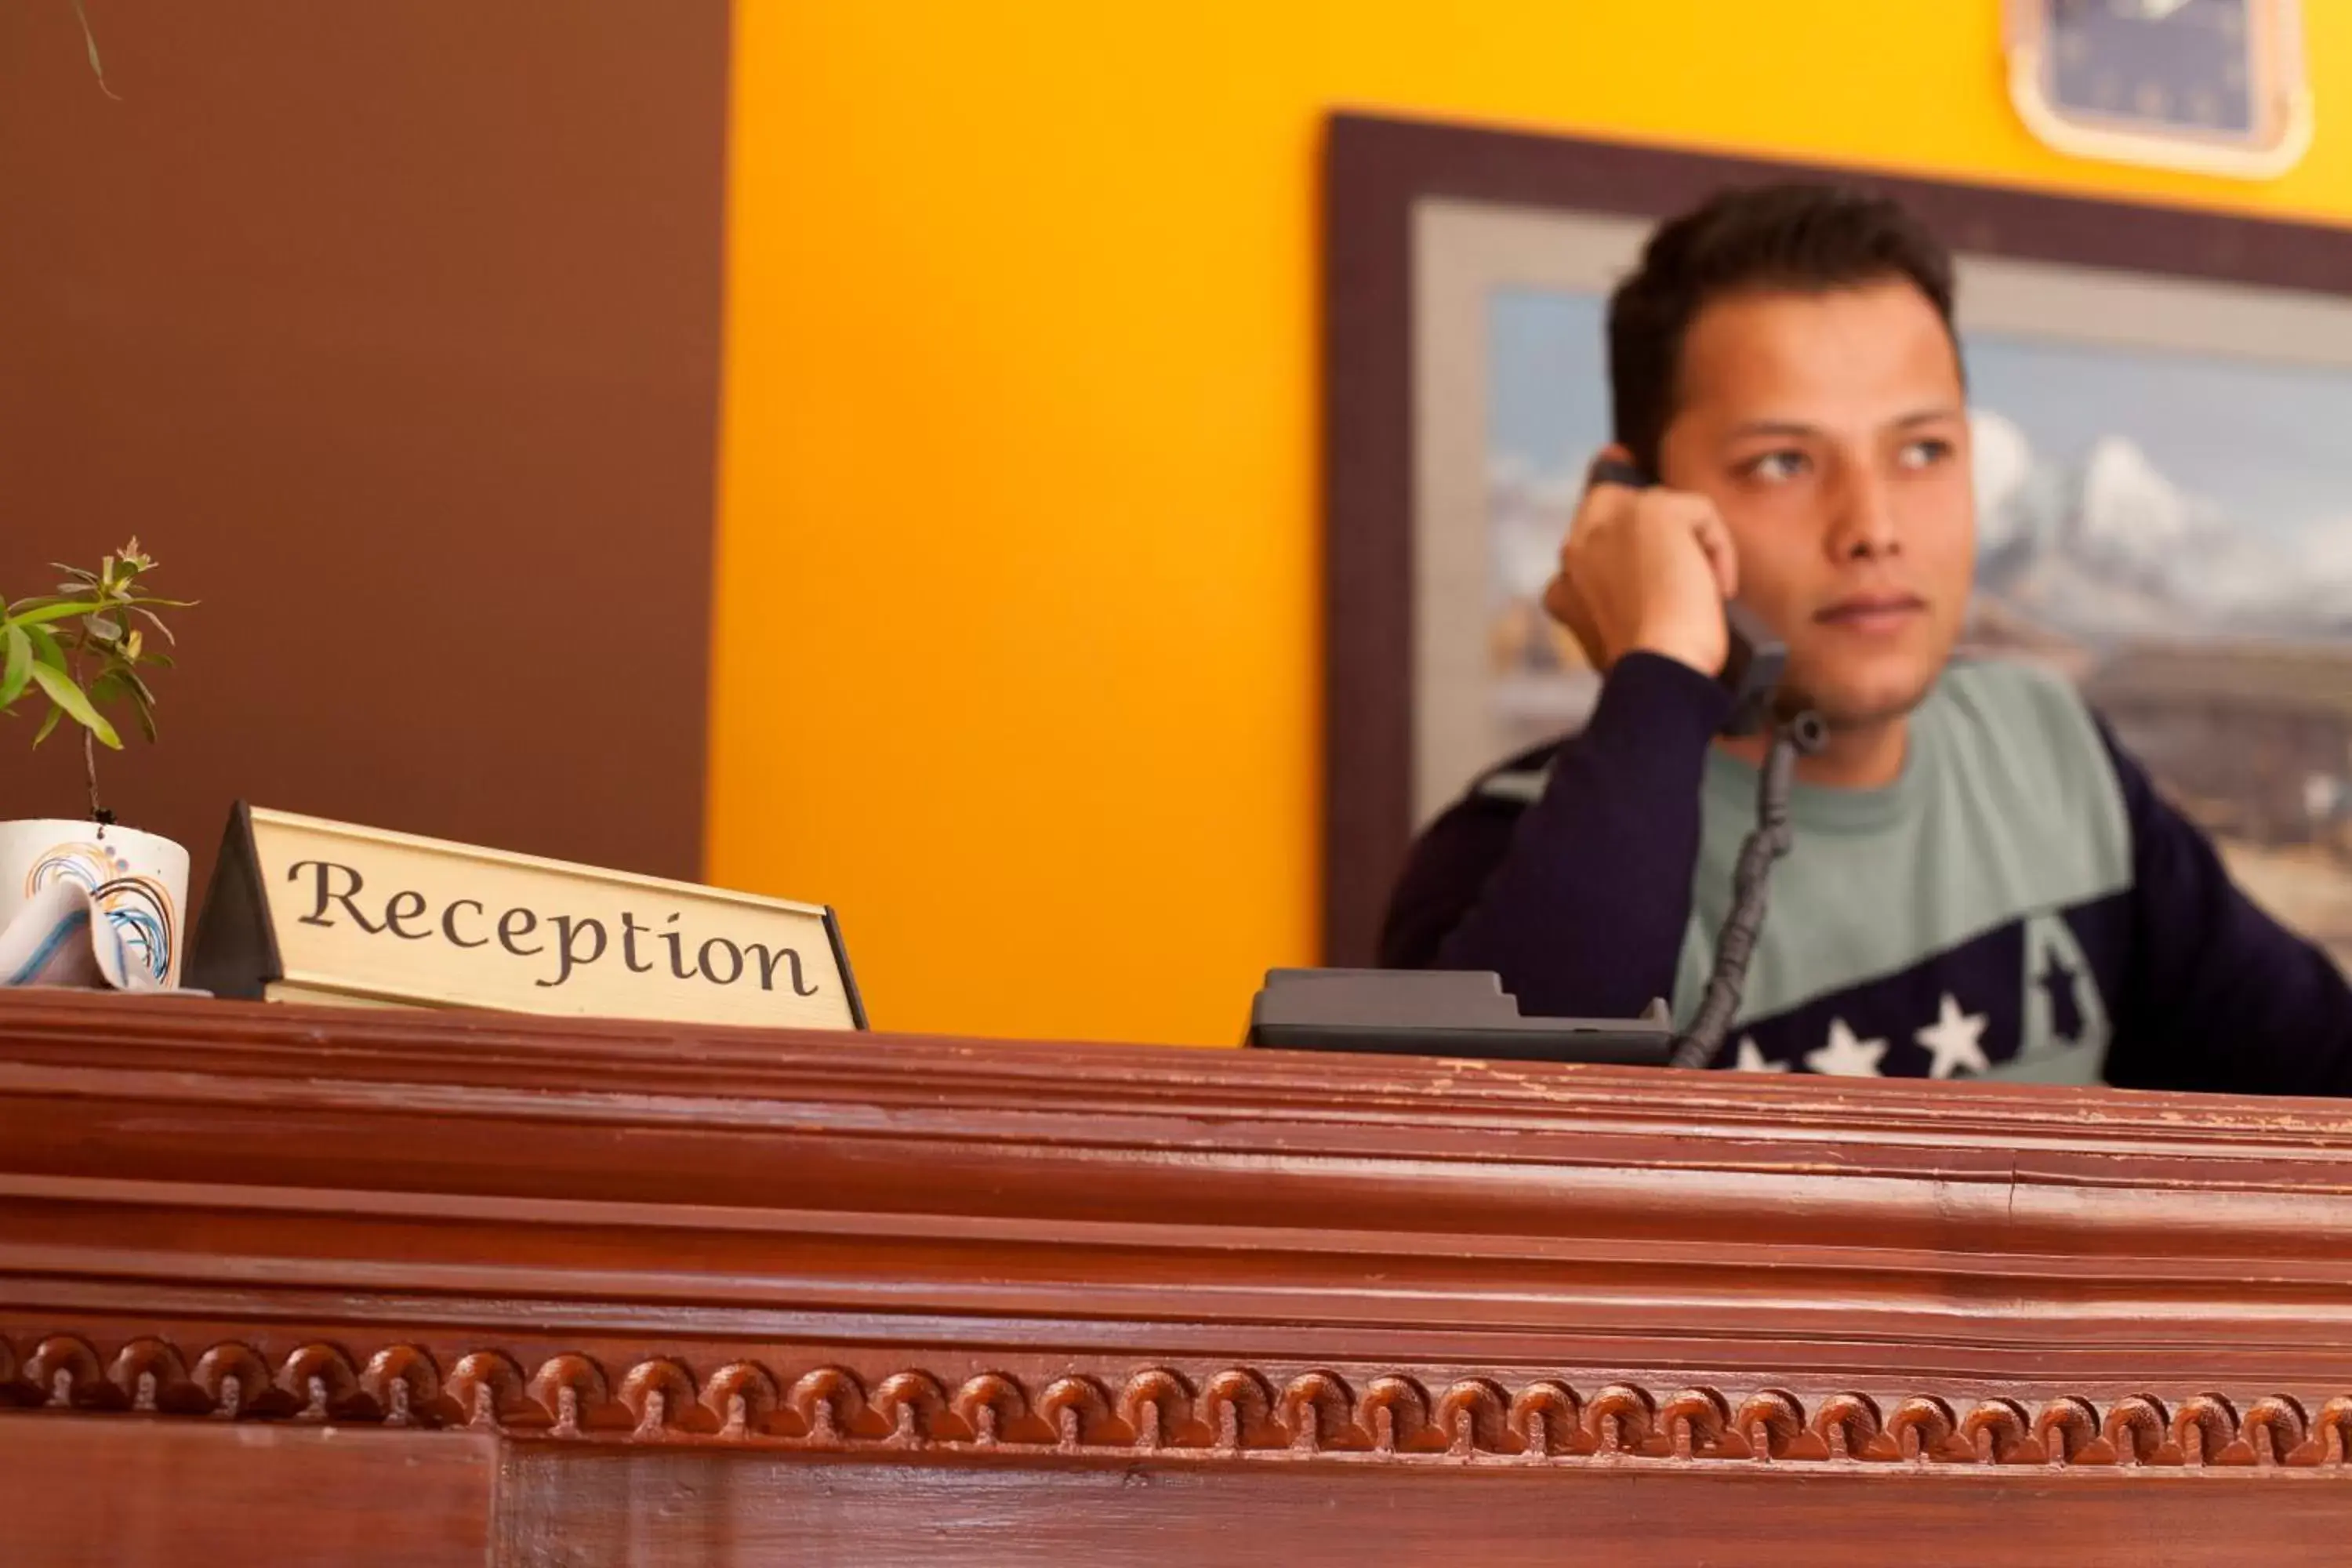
{"x": 1925, "y": 453}
{"x": 1775, "y": 467}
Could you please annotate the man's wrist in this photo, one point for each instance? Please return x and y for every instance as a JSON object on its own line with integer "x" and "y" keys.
{"x": 1703, "y": 652}
{"x": 1646, "y": 689}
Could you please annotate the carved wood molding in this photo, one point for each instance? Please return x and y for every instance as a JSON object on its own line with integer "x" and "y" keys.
{"x": 210, "y": 1174}
{"x": 1234, "y": 1413}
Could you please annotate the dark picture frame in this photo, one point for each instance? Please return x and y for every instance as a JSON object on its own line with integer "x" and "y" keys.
{"x": 1377, "y": 172}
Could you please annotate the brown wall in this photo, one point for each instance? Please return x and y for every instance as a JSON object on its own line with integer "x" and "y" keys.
{"x": 392, "y": 331}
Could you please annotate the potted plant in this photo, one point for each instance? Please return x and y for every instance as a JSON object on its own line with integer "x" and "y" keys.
{"x": 75, "y": 654}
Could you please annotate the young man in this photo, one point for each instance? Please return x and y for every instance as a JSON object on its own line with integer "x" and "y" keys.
{"x": 1983, "y": 884}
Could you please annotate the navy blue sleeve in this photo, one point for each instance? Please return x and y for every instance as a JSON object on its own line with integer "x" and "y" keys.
{"x": 1580, "y": 900}
{"x": 2219, "y": 995}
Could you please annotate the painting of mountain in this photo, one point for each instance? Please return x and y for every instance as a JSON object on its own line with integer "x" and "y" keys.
{"x": 2126, "y": 495}
{"x": 2175, "y": 531}
{"x": 2171, "y": 530}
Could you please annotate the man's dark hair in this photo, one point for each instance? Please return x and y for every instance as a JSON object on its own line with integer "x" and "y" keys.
{"x": 1797, "y": 237}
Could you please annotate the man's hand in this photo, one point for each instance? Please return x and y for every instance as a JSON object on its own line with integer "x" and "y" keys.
{"x": 1648, "y": 570}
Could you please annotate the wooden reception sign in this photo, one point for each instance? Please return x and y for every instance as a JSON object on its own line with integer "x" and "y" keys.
{"x": 302, "y": 910}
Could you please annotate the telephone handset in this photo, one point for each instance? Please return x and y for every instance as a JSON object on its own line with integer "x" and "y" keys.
{"x": 1752, "y": 671}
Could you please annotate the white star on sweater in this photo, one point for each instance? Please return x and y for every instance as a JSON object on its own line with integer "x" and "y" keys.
{"x": 1957, "y": 1039}
{"x": 1753, "y": 1060}
{"x": 1844, "y": 1056}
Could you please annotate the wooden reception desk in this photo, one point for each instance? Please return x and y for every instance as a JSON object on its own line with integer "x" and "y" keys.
{"x": 367, "y": 1287}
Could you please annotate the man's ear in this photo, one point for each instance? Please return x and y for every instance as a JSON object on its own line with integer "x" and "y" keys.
{"x": 1618, "y": 455}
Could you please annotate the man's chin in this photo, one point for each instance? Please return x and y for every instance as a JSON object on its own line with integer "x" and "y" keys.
{"x": 1858, "y": 706}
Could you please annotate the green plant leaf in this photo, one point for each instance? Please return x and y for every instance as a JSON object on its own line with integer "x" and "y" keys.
{"x": 45, "y": 648}
{"x": 165, "y": 660}
{"x": 18, "y": 668}
{"x": 67, "y": 696}
{"x": 56, "y": 610}
{"x": 105, "y": 628}
{"x": 141, "y": 609}
{"x": 48, "y": 722}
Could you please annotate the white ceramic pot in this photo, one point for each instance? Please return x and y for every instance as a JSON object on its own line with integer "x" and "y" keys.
{"x": 140, "y": 881}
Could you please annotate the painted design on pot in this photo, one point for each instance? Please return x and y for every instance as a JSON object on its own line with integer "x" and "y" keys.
{"x": 138, "y": 908}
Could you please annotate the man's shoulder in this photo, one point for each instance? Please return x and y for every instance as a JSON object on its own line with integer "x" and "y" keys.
{"x": 2020, "y": 741}
{"x": 2030, "y": 712}
{"x": 1518, "y": 782}
{"x": 1455, "y": 855}
{"x": 2012, "y": 691}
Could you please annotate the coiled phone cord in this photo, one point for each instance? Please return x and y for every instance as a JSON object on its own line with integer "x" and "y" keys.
{"x": 1801, "y": 735}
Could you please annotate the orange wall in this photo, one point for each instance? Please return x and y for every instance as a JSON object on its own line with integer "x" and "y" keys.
{"x": 1017, "y": 613}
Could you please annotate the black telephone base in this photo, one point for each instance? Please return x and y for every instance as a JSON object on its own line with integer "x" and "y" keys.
{"x": 1440, "y": 1013}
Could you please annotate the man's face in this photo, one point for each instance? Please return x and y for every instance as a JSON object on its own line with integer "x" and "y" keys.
{"x": 1830, "y": 431}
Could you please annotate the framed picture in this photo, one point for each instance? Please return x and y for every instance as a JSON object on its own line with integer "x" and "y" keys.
{"x": 2162, "y": 411}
